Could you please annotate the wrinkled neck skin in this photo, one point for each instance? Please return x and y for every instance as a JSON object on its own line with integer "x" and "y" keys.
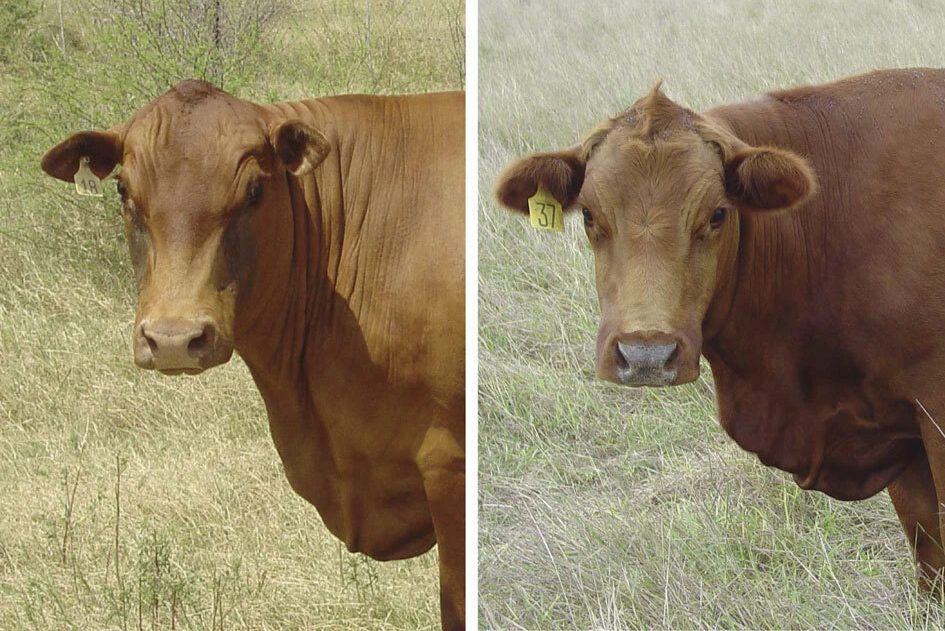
{"x": 301, "y": 330}
{"x": 297, "y": 246}
{"x": 281, "y": 325}
{"x": 791, "y": 386}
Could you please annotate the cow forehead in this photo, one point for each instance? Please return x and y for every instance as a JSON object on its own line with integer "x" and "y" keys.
{"x": 206, "y": 133}
{"x": 625, "y": 172}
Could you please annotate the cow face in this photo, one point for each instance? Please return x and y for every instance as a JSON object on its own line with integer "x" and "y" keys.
{"x": 660, "y": 189}
{"x": 203, "y": 176}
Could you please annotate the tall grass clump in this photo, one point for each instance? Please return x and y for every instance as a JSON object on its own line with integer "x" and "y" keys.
{"x": 611, "y": 508}
{"x": 131, "y": 500}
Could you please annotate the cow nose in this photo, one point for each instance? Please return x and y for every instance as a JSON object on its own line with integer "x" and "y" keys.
{"x": 175, "y": 344}
{"x": 642, "y": 364}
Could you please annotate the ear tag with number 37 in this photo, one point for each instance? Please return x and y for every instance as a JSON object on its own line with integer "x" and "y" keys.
{"x": 86, "y": 183}
{"x": 545, "y": 211}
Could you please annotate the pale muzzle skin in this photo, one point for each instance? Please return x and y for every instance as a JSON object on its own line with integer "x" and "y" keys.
{"x": 195, "y": 206}
{"x": 648, "y": 358}
{"x": 662, "y": 191}
{"x": 180, "y": 345}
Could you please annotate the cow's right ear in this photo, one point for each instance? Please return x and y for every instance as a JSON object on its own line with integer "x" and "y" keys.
{"x": 561, "y": 173}
{"x": 102, "y": 148}
{"x": 300, "y": 147}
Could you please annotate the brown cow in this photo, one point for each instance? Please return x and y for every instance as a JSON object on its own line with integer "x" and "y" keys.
{"x": 796, "y": 240}
{"x": 323, "y": 240}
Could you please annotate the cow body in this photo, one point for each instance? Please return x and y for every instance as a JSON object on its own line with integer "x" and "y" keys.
{"x": 819, "y": 303}
{"x": 321, "y": 239}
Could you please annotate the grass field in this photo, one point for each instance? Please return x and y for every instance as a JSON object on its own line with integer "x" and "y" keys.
{"x": 607, "y": 507}
{"x": 129, "y": 500}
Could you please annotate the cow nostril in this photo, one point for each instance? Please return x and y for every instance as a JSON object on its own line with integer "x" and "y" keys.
{"x": 203, "y": 343}
{"x": 672, "y": 356}
{"x": 151, "y": 343}
{"x": 622, "y": 361}
{"x": 199, "y": 343}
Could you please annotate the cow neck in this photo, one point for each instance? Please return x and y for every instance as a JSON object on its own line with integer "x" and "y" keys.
{"x": 304, "y": 248}
{"x": 310, "y": 343}
{"x": 276, "y": 341}
{"x": 270, "y": 321}
{"x": 777, "y": 267}
{"x": 787, "y": 390}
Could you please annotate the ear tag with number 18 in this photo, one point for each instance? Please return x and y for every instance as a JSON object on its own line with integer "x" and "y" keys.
{"x": 545, "y": 211}
{"x": 86, "y": 182}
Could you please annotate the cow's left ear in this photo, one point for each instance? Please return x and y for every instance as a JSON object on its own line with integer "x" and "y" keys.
{"x": 768, "y": 178}
{"x": 301, "y": 147}
{"x": 102, "y": 148}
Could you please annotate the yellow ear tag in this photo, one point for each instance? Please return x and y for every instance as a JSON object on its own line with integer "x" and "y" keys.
{"x": 545, "y": 211}
{"x": 86, "y": 183}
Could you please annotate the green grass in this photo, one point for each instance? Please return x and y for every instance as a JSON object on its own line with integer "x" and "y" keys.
{"x": 607, "y": 507}
{"x": 128, "y": 499}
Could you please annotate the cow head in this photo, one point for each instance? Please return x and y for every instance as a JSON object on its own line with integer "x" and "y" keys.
{"x": 660, "y": 189}
{"x": 203, "y": 176}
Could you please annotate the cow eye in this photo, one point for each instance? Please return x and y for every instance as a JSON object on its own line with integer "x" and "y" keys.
{"x": 588, "y": 219}
{"x": 718, "y": 217}
{"x": 255, "y": 194}
{"x": 122, "y": 189}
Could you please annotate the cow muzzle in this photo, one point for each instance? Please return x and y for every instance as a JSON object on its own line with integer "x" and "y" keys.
{"x": 652, "y": 359}
{"x": 180, "y": 345}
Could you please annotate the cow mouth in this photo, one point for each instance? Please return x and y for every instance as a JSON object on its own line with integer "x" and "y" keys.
{"x": 650, "y": 379}
{"x": 657, "y": 378}
{"x": 173, "y": 372}
{"x": 186, "y": 366}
